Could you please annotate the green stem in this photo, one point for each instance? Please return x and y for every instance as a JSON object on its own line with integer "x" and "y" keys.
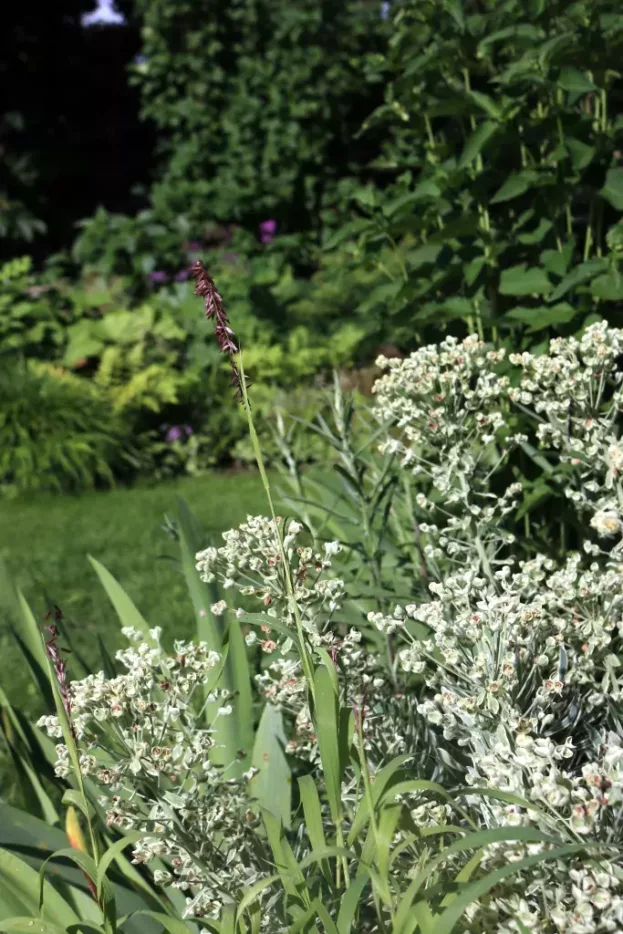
{"x": 305, "y": 660}
{"x": 588, "y": 239}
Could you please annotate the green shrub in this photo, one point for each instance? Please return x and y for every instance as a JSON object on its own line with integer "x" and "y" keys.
{"x": 258, "y": 103}
{"x": 57, "y": 431}
{"x": 503, "y": 140}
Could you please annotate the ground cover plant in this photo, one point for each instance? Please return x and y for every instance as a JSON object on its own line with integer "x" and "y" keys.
{"x": 409, "y": 718}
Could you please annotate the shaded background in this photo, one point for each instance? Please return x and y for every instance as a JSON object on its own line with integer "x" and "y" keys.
{"x": 70, "y": 134}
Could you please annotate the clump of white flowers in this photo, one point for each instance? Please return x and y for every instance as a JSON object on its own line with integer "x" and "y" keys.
{"x": 500, "y": 674}
{"x": 520, "y": 658}
{"x": 144, "y": 738}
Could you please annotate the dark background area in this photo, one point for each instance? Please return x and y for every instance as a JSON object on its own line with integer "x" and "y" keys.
{"x": 70, "y": 134}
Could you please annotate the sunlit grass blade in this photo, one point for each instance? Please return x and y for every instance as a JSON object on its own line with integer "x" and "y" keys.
{"x": 272, "y": 785}
{"x": 20, "y": 893}
{"x": 350, "y": 903}
{"x": 233, "y": 734}
{"x": 124, "y": 606}
{"x": 312, "y": 813}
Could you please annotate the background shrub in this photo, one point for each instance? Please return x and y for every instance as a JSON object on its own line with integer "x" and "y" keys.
{"x": 58, "y": 431}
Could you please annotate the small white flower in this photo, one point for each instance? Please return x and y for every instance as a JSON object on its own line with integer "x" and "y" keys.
{"x": 332, "y": 548}
{"x": 606, "y": 522}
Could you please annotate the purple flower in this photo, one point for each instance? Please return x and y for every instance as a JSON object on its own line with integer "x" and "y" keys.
{"x": 182, "y": 275}
{"x": 158, "y": 277}
{"x": 173, "y": 434}
{"x": 176, "y": 432}
{"x": 385, "y": 10}
{"x": 268, "y": 229}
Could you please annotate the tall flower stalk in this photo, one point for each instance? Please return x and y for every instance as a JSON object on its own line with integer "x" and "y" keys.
{"x": 226, "y": 339}
{"x": 214, "y": 311}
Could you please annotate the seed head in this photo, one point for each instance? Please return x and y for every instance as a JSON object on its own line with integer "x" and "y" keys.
{"x": 205, "y": 287}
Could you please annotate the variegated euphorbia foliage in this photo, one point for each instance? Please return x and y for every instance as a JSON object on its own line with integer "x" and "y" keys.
{"x": 500, "y": 678}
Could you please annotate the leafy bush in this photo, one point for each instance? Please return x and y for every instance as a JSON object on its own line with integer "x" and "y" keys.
{"x": 257, "y": 103}
{"x": 57, "y": 432}
{"x": 503, "y": 156}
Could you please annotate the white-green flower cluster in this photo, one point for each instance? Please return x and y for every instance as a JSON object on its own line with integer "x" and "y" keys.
{"x": 500, "y": 673}
{"x": 520, "y": 658}
{"x": 143, "y": 737}
{"x": 251, "y": 560}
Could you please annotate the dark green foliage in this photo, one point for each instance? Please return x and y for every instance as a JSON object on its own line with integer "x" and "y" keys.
{"x": 57, "y": 431}
{"x": 504, "y": 133}
{"x": 70, "y": 134}
{"x": 258, "y": 103}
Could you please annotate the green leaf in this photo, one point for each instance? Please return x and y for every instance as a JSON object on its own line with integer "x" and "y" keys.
{"x": 534, "y": 498}
{"x": 381, "y": 781}
{"x": 475, "y": 890}
{"x": 524, "y": 280}
{"x": 514, "y": 186}
{"x": 174, "y": 925}
{"x": 423, "y": 255}
{"x": 613, "y": 188}
{"x": 326, "y": 710}
{"x": 575, "y": 82}
{"x": 272, "y": 785}
{"x": 425, "y": 190}
{"x": 250, "y": 896}
{"x": 233, "y": 734}
{"x": 81, "y": 342}
{"x": 27, "y": 762}
{"x": 75, "y": 798}
{"x": 112, "y": 853}
{"x": 476, "y": 142}
{"x": 202, "y": 595}
{"x": 577, "y": 275}
{"x": 346, "y": 232}
{"x": 544, "y": 316}
{"x": 537, "y": 235}
{"x": 85, "y": 862}
{"x": 33, "y": 925}
{"x": 471, "y": 841}
{"x": 19, "y": 894}
{"x": 326, "y": 919}
{"x": 33, "y": 636}
{"x": 238, "y": 676}
{"x": 313, "y": 819}
{"x": 581, "y": 154}
{"x": 608, "y": 287}
{"x": 472, "y": 270}
{"x": 124, "y": 607}
{"x": 285, "y": 863}
{"x": 486, "y": 103}
{"x": 557, "y": 261}
{"x": 349, "y": 903}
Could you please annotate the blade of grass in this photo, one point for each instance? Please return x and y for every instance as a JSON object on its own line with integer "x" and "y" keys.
{"x": 272, "y": 785}
{"x": 124, "y": 606}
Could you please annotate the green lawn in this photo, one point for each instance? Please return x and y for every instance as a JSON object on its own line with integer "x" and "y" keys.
{"x": 44, "y": 540}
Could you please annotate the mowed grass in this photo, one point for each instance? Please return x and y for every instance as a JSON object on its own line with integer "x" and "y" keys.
{"x": 45, "y": 540}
